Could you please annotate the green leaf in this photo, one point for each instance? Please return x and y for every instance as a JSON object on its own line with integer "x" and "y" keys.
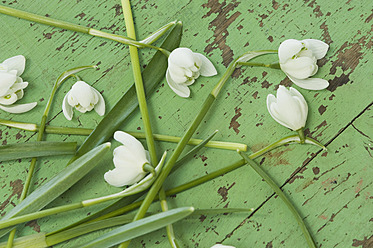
{"x": 71, "y": 72}
{"x": 154, "y": 73}
{"x": 57, "y": 185}
{"x": 140, "y": 227}
{"x": 36, "y": 149}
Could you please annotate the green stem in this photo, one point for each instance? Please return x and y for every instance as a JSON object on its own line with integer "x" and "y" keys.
{"x": 42, "y": 19}
{"x": 36, "y": 215}
{"x": 78, "y": 28}
{"x": 139, "y": 82}
{"x": 11, "y": 237}
{"x": 301, "y": 135}
{"x": 169, "y": 228}
{"x": 138, "y": 135}
{"x": 124, "y": 40}
{"x": 272, "y": 184}
{"x": 272, "y": 65}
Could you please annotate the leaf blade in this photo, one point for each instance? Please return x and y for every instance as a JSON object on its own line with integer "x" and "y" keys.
{"x": 36, "y": 149}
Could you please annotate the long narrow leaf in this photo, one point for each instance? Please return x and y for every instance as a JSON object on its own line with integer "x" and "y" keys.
{"x": 140, "y": 227}
{"x": 36, "y": 149}
{"x": 57, "y": 185}
{"x": 154, "y": 72}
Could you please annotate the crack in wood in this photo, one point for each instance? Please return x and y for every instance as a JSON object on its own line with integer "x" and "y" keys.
{"x": 300, "y": 169}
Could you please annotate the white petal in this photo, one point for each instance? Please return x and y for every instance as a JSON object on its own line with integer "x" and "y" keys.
{"x": 222, "y": 246}
{"x": 19, "y": 108}
{"x": 188, "y": 82}
{"x": 19, "y": 86}
{"x": 120, "y": 177}
{"x": 9, "y": 99}
{"x": 301, "y": 68}
{"x": 16, "y": 63}
{"x": 318, "y": 47}
{"x": 177, "y": 74}
{"x": 6, "y": 81}
{"x": 83, "y": 93}
{"x": 182, "y": 57}
{"x": 207, "y": 69}
{"x": 124, "y": 157}
{"x": 100, "y": 105}
{"x": 310, "y": 83}
{"x": 295, "y": 92}
{"x": 19, "y": 94}
{"x": 179, "y": 89}
{"x": 273, "y": 110}
{"x": 131, "y": 143}
{"x": 67, "y": 108}
{"x": 288, "y": 49}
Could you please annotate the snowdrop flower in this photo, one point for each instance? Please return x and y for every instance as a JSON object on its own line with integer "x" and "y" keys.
{"x": 289, "y": 108}
{"x": 184, "y": 66}
{"x": 222, "y": 246}
{"x": 129, "y": 160}
{"x": 12, "y": 85}
{"x": 298, "y": 61}
{"x": 84, "y": 98}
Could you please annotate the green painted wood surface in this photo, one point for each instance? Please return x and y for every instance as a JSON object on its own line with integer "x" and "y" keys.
{"x": 332, "y": 190}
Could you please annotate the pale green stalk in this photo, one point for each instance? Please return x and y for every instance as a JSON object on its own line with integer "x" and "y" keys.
{"x": 301, "y": 135}
{"x": 126, "y": 6}
{"x": 273, "y": 185}
{"x": 81, "y": 29}
{"x": 170, "y": 229}
{"x": 273, "y": 65}
{"x": 190, "y": 131}
{"x": 136, "y": 69}
{"x": 138, "y": 135}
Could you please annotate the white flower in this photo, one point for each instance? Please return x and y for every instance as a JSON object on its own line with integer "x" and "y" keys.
{"x": 84, "y": 98}
{"x": 184, "y": 66}
{"x": 298, "y": 61}
{"x": 12, "y": 85}
{"x": 129, "y": 160}
{"x": 289, "y": 108}
{"x": 222, "y": 246}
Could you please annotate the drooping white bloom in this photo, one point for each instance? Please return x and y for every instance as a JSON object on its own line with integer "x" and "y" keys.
{"x": 222, "y": 246}
{"x": 184, "y": 66}
{"x": 84, "y": 98}
{"x": 12, "y": 85}
{"x": 129, "y": 160}
{"x": 298, "y": 61}
{"x": 289, "y": 108}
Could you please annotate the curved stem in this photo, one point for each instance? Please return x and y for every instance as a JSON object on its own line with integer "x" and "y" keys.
{"x": 81, "y": 29}
{"x": 140, "y": 91}
{"x": 273, "y": 185}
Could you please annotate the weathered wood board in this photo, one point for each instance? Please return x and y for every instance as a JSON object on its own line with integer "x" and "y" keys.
{"x": 332, "y": 190}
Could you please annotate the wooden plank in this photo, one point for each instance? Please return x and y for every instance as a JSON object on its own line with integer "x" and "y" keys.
{"x": 222, "y": 30}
